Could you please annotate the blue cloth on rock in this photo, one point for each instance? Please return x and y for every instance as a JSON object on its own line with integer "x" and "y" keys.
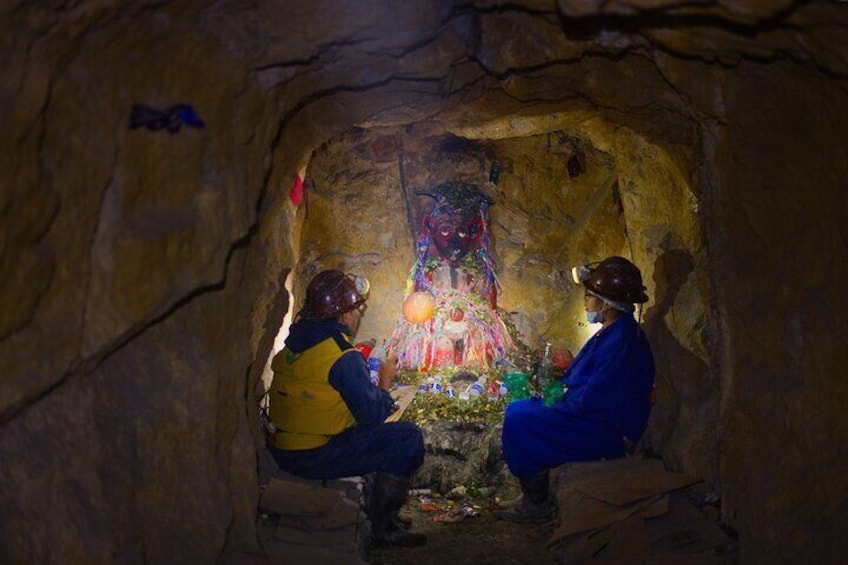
{"x": 608, "y": 398}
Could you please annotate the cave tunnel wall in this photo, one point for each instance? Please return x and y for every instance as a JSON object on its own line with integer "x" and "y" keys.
{"x": 145, "y": 270}
{"x": 778, "y": 229}
{"x": 363, "y": 213}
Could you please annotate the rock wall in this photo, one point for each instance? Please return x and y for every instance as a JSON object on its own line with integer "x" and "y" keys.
{"x": 126, "y": 311}
{"x": 144, "y": 271}
{"x": 782, "y": 305}
{"x": 365, "y": 210}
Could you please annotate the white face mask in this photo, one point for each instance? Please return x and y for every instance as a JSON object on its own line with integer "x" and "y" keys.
{"x": 595, "y": 317}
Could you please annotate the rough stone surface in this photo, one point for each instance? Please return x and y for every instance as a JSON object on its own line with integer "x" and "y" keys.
{"x": 462, "y": 455}
{"x": 364, "y": 214}
{"x": 143, "y": 272}
{"x": 783, "y": 426}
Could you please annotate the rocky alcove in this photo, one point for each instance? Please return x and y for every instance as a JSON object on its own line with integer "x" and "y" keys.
{"x": 558, "y": 200}
{"x": 145, "y": 269}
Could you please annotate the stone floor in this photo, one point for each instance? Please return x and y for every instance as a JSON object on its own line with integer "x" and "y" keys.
{"x": 629, "y": 510}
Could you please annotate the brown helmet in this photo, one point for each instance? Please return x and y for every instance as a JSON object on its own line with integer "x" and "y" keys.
{"x": 332, "y": 293}
{"x": 617, "y": 279}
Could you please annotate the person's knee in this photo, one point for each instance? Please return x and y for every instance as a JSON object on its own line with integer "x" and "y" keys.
{"x": 418, "y": 447}
{"x": 415, "y": 444}
{"x": 410, "y": 443}
{"x": 408, "y": 432}
{"x": 516, "y": 419}
{"x": 416, "y": 436}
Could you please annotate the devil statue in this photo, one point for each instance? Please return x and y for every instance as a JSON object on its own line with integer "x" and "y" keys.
{"x": 453, "y": 264}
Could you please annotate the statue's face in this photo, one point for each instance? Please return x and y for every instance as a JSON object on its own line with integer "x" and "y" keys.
{"x": 454, "y": 237}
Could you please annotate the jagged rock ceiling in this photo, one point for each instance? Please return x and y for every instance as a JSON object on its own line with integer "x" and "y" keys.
{"x": 144, "y": 271}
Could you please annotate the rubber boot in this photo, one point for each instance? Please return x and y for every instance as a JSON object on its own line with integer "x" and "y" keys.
{"x": 401, "y": 519}
{"x": 535, "y": 505}
{"x": 389, "y": 492}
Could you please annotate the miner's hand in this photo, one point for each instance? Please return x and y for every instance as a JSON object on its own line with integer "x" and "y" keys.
{"x": 388, "y": 372}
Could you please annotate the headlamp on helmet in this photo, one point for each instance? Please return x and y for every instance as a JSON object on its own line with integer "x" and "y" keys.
{"x": 581, "y": 273}
{"x": 614, "y": 278}
{"x": 362, "y": 285}
{"x": 332, "y": 293}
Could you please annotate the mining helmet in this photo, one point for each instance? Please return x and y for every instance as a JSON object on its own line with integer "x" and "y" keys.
{"x": 614, "y": 278}
{"x": 332, "y": 293}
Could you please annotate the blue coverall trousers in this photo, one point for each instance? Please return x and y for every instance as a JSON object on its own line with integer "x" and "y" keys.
{"x": 396, "y": 448}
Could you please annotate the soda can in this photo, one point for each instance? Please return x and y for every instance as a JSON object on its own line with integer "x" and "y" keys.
{"x": 449, "y": 391}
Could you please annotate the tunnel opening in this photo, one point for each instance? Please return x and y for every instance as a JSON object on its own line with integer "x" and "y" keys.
{"x": 146, "y": 267}
{"x": 565, "y": 189}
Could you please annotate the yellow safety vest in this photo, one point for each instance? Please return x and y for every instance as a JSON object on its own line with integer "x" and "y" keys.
{"x": 306, "y": 409}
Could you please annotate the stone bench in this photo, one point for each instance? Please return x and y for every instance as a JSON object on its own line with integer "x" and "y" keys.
{"x": 320, "y": 520}
{"x": 630, "y": 509}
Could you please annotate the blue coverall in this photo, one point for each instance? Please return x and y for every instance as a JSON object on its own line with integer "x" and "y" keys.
{"x": 396, "y": 448}
{"x": 608, "y": 398}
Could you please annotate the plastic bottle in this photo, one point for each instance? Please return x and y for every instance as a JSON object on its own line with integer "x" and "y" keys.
{"x": 379, "y": 350}
{"x": 436, "y": 385}
{"x": 477, "y": 388}
{"x": 374, "y": 364}
{"x": 545, "y": 373}
{"x": 449, "y": 391}
{"x": 492, "y": 391}
{"x": 375, "y": 361}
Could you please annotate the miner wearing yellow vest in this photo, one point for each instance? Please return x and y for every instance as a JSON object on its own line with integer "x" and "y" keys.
{"x": 330, "y": 417}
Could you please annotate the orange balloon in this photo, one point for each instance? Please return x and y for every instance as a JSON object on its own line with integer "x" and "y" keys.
{"x": 418, "y": 307}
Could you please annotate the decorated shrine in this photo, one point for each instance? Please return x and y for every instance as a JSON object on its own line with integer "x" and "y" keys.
{"x": 450, "y": 314}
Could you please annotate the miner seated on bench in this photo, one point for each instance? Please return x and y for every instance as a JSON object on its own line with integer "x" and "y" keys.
{"x": 330, "y": 417}
{"x": 608, "y": 398}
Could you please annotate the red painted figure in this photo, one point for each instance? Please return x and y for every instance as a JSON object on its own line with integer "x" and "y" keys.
{"x": 454, "y": 265}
